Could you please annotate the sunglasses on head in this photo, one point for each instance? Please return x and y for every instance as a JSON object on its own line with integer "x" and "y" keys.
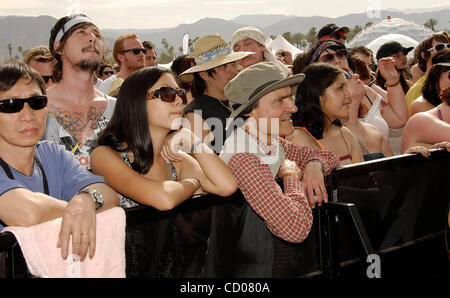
{"x": 15, "y": 105}
{"x": 136, "y": 51}
{"x": 168, "y": 94}
{"x": 108, "y": 72}
{"x": 327, "y": 58}
{"x": 440, "y": 47}
{"x": 47, "y": 78}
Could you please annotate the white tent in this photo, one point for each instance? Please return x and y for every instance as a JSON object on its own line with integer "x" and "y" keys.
{"x": 404, "y": 40}
{"x": 281, "y": 43}
{"x": 389, "y": 26}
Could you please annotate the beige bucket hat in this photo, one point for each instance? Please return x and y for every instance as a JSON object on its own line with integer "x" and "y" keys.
{"x": 211, "y": 51}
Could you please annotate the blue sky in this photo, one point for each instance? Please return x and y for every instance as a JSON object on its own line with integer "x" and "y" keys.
{"x": 145, "y": 14}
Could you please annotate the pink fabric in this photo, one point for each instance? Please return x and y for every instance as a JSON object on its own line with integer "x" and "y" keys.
{"x": 38, "y": 244}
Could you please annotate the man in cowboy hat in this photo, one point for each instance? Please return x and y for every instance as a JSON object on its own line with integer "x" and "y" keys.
{"x": 215, "y": 67}
{"x": 256, "y": 154}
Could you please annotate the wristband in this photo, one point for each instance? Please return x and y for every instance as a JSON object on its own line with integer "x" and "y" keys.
{"x": 291, "y": 175}
{"x": 195, "y": 145}
{"x": 392, "y": 85}
{"x": 317, "y": 160}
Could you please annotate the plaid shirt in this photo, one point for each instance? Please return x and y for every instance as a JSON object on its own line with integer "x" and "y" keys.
{"x": 287, "y": 215}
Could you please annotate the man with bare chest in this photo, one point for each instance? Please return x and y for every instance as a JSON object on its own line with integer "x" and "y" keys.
{"x": 77, "y": 111}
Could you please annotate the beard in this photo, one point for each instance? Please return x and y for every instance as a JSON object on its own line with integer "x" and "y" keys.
{"x": 88, "y": 64}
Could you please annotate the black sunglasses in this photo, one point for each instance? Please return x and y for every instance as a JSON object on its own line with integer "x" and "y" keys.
{"x": 108, "y": 72}
{"x": 15, "y": 105}
{"x": 136, "y": 51}
{"x": 168, "y": 94}
{"x": 47, "y": 78}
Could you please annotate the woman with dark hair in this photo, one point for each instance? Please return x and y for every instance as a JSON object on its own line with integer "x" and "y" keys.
{"x": 322, "y": 99}
{"x": 430, "y": 127}
{"x": 437, "y": 79}
{"x": 129, "y": 153}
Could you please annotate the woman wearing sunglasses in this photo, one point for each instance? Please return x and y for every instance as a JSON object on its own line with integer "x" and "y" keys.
{"x": 437, "y": 79}
{"x": 129, "y": 153}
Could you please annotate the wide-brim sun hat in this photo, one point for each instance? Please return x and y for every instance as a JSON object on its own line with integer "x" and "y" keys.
{"x": 254, "y": 82}
{"x": 212, "y": 51}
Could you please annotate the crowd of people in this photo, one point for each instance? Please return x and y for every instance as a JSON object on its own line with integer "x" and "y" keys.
{"x": 79, "y": 136}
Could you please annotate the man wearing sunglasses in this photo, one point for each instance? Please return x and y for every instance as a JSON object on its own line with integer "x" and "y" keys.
{"x": 129, "y": 54}
{"x": 77, "y": 111}
{"x": 39, "y": 180}
{"x": 424, "y": 52}
{"x": 333, "y": 32}
{"x": 40, "y": 59}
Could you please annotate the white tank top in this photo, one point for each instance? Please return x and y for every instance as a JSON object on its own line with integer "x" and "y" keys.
{"x": 374, "y": 117}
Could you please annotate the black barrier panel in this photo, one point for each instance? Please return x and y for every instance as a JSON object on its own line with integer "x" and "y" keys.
{"x": 175, "y": 243}
{"x": 401, "y": 200}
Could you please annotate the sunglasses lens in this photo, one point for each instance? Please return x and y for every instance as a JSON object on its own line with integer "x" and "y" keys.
{"x": 15, "y": 105}
{"x": 439, "y": 47}
{"x": 11, "y": 105}
{"x": 37, "y": 102}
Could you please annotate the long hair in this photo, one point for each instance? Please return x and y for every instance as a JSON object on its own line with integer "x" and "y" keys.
{"x": 129, "y": 122}
{"x": 318, "y": 77}
{"x": 431, "y": 89}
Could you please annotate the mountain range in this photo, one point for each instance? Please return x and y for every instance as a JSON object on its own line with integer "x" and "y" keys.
{"x": 28, "y": 32}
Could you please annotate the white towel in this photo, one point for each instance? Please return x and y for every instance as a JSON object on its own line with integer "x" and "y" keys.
{"x": 43, "y": 258}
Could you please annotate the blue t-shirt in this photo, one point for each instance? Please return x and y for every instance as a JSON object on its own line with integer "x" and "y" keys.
{"x": 65, "y": 175}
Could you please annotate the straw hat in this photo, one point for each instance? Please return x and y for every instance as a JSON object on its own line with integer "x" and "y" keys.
{"x": 211, "y": 51}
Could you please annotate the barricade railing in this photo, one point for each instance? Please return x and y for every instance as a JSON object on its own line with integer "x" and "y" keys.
{"x": 385, "y": 217}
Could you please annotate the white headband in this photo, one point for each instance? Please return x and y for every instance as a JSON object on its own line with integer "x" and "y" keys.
{"x": 72, "y": 22}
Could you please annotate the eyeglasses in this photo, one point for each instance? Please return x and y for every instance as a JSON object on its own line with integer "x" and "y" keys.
{"x": 47, "y": 78}
{"x": 168, "y": 94}
{"x": 328, "y": 58}
{"x": 440, "y": 47}
{"x": 15, "y": 105}
{"x": 108, "y": 72}
{"x": 136, "y": 51}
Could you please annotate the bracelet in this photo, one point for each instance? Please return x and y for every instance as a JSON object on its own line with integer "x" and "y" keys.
{"x": 198, "y": 181}
{"x": 392, "y": 85}
{"x": 291, "y": 175}
{"x": 195, "y": 145}
{"x": 317, "y": 160}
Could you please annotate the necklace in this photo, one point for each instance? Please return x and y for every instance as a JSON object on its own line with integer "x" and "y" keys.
{"x": 224, "y": 105}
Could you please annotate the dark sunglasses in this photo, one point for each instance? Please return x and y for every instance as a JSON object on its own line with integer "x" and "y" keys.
{"x": 47, "y": 78}
{"x": 339, "y": 35}
{"x": 15, "y": 105}
{"x": 328, "y": 58}
{"x": 108, "y": 72}
{"x": 136, "y": 51}
{"x": 168, "y": 94}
